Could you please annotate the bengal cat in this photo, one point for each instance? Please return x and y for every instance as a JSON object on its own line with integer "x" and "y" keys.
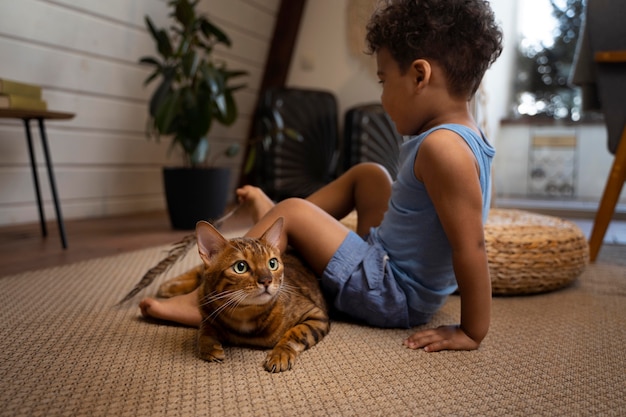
{"x": 250, "y": 295}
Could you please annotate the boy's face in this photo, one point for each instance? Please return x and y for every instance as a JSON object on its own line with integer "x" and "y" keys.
{"x": 397, "y": 94}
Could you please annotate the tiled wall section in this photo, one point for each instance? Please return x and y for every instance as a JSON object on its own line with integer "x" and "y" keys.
{"x": 521, "y": 148}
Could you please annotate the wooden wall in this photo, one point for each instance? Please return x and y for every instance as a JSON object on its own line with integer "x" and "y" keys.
{"x": 84, "y": 53}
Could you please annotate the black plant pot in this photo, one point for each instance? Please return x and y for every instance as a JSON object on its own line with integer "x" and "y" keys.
{"x": 195, "y": 194}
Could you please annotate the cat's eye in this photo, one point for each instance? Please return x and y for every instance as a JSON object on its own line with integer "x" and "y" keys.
{"x": 273, "y": 264}
{"x": 240, "y": 267}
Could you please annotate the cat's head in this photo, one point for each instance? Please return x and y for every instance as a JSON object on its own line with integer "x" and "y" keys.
{"x": 244, "y": 269}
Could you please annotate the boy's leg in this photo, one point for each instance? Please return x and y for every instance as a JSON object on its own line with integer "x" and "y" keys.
{"x": 365, "y": 187}
{"x": 311, "y": 225}
{"x": 181, "y": 309}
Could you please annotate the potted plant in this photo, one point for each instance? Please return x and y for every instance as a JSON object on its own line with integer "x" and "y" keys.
{"x": 194, "y": 92}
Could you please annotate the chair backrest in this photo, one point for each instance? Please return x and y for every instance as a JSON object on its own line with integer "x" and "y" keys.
{"x": 606, "y": 28}
{"x": 296, "y": 167}
{"x": 370, "y": 136}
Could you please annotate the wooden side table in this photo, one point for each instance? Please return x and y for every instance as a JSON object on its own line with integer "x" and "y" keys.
{"x": 26, "y": 116}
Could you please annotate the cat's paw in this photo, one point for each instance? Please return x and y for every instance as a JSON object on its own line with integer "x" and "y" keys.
{"x": 170, "y": 289}
{"x": 281, "y": 358}
{"x": 212, "y": 354}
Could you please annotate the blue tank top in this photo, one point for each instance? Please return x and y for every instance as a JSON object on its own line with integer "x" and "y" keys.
{"x": 419, "y": 253}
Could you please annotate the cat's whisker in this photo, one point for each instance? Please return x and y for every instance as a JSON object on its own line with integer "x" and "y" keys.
{"x": 215, "y": 296}
{"x": 216, "y": 312}
{"x": 289, "y": 289}
{"x": 242, "y": 295}
{"x": 230, "y": 298}
{"x": 234, "y": 298}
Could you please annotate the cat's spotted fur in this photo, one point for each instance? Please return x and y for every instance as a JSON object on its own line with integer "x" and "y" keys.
{"x": 249, "y": 295}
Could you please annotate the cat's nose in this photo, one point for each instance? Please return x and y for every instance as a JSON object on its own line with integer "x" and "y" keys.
{"x": 265, "y": 280}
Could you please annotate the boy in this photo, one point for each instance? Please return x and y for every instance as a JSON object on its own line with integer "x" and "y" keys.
{"x": 420, "y": 238}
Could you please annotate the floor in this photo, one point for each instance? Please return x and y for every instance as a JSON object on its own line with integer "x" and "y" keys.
{"x": 22, "y": 247}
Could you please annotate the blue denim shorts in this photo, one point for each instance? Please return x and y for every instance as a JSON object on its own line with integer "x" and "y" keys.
{"x": 358, "y": 281}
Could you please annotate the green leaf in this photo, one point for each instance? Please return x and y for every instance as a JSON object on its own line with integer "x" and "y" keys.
{"x": 232, "y": 150}
{"x": 160, "y": 95}
{"x": 227, "y": 113}
{"x": 214, "y": 79}
{"x": 162, "y": 39}
{"x": 195, "y": 114}
{"x": 277, "y": 119}
{"x": 151, "y": 28}
{"x": 151, "y": 61}
{"x": 221, "y": 107}
{"x": 250, "y": 161}
{"x": 166, "y": 112}
{"x": 293, "y": 134}
{"x": 236, "y": 87}
{"x": 190, "y": 63}
{"x": 233, "y": 74}
{"x": 183, "y": 46}
{"x": 200, "y": 152}
{"x": 185, "y": 13}
{"x": 151, "y": 77}
{"x": 210, "y": 30}
{"x": 164, "y": 44}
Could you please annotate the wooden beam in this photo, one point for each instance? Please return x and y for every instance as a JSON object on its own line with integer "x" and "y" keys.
{"x": 283, "y": 43}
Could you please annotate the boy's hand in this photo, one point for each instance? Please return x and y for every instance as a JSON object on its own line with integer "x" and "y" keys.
{"x": 441, "y": 338}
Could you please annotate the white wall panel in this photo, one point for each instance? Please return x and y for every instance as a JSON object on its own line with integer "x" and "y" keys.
{"x": 83, "y": 148}
{"x": 80, "y": 33}
{"x": 66, "y": 70}
{"x": 130, "y": 12}
{"x": 74, "y": 183}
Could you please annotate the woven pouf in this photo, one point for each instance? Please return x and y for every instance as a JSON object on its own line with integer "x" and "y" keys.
{"x": 528, "y": 253}
{"x": 531, "y": 253}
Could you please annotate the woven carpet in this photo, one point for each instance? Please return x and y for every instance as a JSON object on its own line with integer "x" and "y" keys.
{"x": 66, "y": 350}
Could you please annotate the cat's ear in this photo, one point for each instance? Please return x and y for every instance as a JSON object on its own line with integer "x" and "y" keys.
{"x": 272, "y": 235}
{"x": 210, "y": 241}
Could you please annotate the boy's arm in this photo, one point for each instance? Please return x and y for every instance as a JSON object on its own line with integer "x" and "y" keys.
{"x": 449, "y": 171}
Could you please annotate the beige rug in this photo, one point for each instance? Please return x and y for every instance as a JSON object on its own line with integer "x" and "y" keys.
{"x": 65, "y": 350}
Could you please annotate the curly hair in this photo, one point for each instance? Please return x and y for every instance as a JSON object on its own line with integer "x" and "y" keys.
{"x": 460, "y": 35}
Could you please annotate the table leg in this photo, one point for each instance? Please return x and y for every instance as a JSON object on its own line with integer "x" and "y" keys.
{"x": 55, "y": 197}
{"x": 33, "y": 166}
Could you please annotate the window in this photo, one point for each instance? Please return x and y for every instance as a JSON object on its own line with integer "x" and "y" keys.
{"x": 548, "y": 35}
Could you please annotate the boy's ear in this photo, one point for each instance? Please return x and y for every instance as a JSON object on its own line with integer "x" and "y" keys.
{"x": 422, "y": 71}
{"x": 210, "y": 241}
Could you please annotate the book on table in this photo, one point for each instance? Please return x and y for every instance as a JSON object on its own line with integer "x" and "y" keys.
{"x": 19, "y": 88}
{"x": 13, "y": 101}
{"x": 20, "y": 95}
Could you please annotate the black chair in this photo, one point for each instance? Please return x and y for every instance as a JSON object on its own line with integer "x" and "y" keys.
{"x": 297, "y": 151}
{"x": 370, "y": 136}
{"x": 601, "y": 71}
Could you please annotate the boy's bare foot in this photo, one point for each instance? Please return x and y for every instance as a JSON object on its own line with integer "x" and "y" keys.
{"x": 181, "y": 309}
{"x": 256, "y": 200}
